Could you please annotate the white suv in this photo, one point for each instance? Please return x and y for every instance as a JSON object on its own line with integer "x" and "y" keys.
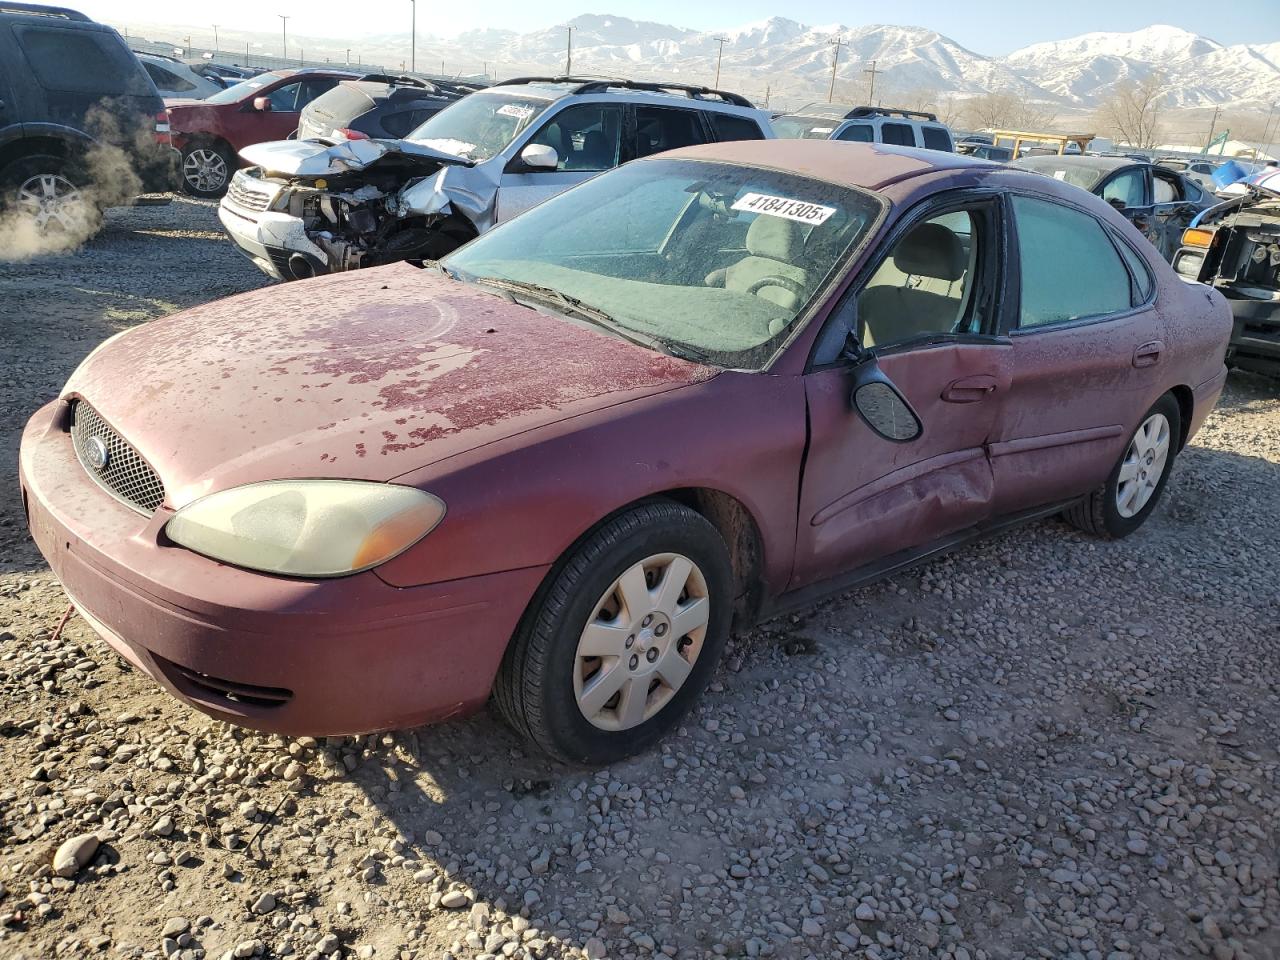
{"x": 316, "y": 206}
{"x": 842, "y": 121}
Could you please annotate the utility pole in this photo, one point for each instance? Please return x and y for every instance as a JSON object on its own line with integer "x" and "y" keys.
{"x": 871, "y": 97}
{"x": 568, "y": 54}
{"x": 187, "y": 48}
{"x": 246, "y": 53}
{"x": 835, "y": 61}
{"x": 348, "y": 56}
{"x": 1266, "y": 128}
{"x": 284, "y": 35}
{"x": 719, "y": 56}
{"x": 413, "y": 36}
{"x": 215, "y": 38}
{"x": 1213, "y": 125}
{"x": 767, "y": 88}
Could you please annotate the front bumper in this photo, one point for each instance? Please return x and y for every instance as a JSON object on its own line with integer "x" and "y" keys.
{"x": 319, "y": 658}
{"x": 270, "y": 240}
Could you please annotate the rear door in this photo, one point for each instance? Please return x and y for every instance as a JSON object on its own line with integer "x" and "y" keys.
{"x": 1087, "y": 355}
{"x": 928, "y": 316}
{"x": 587, "y": 139}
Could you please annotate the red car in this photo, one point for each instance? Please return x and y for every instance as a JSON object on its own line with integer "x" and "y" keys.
{"x": 696, "y": 391}
{"x": 210, "y": 133}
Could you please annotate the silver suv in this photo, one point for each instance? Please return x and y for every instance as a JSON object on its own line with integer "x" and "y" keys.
{"x": 843, "y": 121}
{"x": 343, "y": 202}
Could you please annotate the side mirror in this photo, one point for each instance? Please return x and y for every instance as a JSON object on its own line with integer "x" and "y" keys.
{"x": 881, "y": 405}
{"x": 262, "y": 104}
{"x": 1118, "y": 204}
{"x": 538, "y": 156}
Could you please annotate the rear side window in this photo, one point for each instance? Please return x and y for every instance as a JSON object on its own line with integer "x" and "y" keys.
{"x": 858, "y": 133}
{"x": 1127, "y": 187}
{"x": 935, "y": 138}
{"x": 1143, "y": 282}
{"x": 1058, "y": 248}
{"x": 664, "y": 128}
{"x": 729, "y": 127}
{"x": 76, "y": 61}
{"x": 398, "y": 124}
{"x": 900, "y": 134}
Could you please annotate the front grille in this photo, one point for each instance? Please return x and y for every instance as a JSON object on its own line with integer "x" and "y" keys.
{"x": 124, "y": 475}
{"x": 246, "y": 197}
{"x": 213, "y": 689}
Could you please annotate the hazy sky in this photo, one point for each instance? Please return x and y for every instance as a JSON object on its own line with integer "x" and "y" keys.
{"x": 984, "y": 26}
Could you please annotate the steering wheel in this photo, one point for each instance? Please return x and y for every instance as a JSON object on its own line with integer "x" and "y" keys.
{"x": 786, "y": 283}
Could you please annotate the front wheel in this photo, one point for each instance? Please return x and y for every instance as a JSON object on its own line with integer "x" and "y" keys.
{"x": 1121, "y": 505}
{"x": 623, "y": 638}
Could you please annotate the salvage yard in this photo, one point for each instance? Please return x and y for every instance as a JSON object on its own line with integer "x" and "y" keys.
{"x": 1044, "y": 745}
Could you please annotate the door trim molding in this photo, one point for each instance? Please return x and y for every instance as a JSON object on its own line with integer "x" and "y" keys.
{"x": 1046, "y": 441}
{"x": 894, "y": 479}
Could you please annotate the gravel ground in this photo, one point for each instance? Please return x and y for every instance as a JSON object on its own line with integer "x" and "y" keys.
{"x": 1041, "y": 746}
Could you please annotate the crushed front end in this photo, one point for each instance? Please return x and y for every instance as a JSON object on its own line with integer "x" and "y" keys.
{"x": 1235, "y": 248}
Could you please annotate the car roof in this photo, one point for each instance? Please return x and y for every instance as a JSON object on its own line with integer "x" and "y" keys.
{"x": 556, "y": 88}
{"x": 870, "y": 166}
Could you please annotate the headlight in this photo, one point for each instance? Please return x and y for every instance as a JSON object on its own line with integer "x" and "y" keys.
{"x": 307, "y": 528}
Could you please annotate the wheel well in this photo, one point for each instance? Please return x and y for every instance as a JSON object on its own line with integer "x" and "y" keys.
{"x": 209, "y": 140}
{"x": 29, "y": 146}
{"x": 1186, "y": 410}
{"x": 741, "y": 535}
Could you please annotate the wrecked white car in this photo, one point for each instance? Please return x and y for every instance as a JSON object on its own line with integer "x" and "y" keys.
{"x": 307, "y": 207}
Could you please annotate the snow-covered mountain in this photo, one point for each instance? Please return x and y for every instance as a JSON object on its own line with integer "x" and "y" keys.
{"x": 1198, "y": 71}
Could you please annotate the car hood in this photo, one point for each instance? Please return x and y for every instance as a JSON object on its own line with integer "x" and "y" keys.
{"x": 317, "y": 158}
{"x": 360, "y": 376}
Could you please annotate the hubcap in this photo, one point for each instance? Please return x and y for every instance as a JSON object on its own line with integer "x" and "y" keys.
{"x": 50, "y": 199}
{"x": 1143, "y": 465}
{"x": 641, "y": 642}
{"x": 205, "y": 169}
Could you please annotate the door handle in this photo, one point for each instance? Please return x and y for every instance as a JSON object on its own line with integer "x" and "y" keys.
{"x": 1148, "y": 355}
{"x": 969, "y": 389}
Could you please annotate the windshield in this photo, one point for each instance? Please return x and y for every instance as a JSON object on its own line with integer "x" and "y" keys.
{"x": 242, "y": 89}
{"x": 480, "y": 125}
{"x": 804, "y": 128}
{"x": 720, "y": 259}
{"x": 1086, "y": 175}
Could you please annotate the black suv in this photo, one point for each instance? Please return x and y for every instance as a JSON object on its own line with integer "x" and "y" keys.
{"x": 79, "y": 117}
{"x": 379, "y": 106}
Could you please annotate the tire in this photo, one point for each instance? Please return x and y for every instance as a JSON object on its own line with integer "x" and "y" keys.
{"x": 206, "y": 170}
{"x": 1113, "y": 510}
{"x": 51, "y": 193}
{"x": 545, "y": 670}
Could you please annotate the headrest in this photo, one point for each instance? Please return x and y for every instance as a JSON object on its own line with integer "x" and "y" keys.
{"x": 774, "y": 238}
{"x": 931, "y": 250}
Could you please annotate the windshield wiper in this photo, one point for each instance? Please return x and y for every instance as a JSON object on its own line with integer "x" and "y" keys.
{"x": 596, "y": 316}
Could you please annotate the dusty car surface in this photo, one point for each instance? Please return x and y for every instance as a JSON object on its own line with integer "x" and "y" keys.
{"x": 1235, "y": 248}
{"x": 1160, "y": 202}
{"x": 322, "y": 205}
{"x": 556, "y": 467}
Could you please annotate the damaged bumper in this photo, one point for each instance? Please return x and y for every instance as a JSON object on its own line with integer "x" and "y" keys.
{"x": 277, "y": 243}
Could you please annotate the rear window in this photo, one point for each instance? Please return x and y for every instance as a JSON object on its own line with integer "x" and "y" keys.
{"x": 899, "y": 134}
{"x": 78, "y": 61}
{"x": 729, "y": 127}
{"x": 165, "y": 80}
{"x": 936, "y": 138}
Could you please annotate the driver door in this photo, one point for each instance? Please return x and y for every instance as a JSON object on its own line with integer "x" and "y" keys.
{"x": 1129, "y": 191}
{"x": 587, "y": 139}
{"x": 927, "y": 318}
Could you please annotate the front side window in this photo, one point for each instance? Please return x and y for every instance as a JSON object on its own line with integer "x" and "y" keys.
{"x": 481, "y": 125}
{"x": 858, "y": 133}
{"x": 586, "y": 136}
{"x": 285, "y": 99}
{"x": 1127, "y": 187}
{"x": 666, "y": 128}
{"x": 1070, "y": 267}
{"x": 925, "y": 285}
{"x": 899, "y": 134}
{"x": 721, "y": 259}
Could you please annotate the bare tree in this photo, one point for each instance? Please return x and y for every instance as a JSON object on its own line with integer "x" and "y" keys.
{"x": 1005, "y": 111}
{"x": 1132, "y": 113}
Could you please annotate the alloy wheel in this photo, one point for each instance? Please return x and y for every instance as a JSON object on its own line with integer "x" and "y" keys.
{"x": 641, "y": 641}
{"x": 1143, "y": 465}
{"x": 204, "y": 169}
{"x": 50, "y": 199}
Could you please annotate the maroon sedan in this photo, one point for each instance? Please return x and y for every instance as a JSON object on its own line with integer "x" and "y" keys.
{"x": 560, "y": 465}
{"x": 210, "y": 133}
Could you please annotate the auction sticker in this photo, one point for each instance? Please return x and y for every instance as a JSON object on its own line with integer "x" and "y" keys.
{"x": 519, "y": 111}
{"x": 788, "y": 208}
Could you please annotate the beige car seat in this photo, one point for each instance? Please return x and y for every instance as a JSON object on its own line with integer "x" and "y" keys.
{"x": 773, "y": 246}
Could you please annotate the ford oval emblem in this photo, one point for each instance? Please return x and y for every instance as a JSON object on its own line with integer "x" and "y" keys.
{"x": 95, "y": 451}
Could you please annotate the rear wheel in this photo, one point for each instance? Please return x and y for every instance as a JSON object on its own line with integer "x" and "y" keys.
{"x": 1122, "y": 504}
{"x": 206, "y": 170}
{"x": 624, "y": 637}
{"x": 49, "y": 195}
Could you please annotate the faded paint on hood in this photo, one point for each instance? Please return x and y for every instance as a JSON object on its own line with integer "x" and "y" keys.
{"x": 361, "y": 375}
